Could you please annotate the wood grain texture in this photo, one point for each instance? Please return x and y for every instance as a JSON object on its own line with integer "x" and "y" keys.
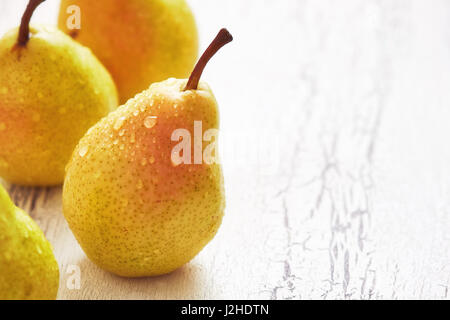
{"x": 334, "y": 145}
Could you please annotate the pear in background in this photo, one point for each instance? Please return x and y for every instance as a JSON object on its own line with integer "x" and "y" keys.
{"x": 28, "y": 269}
{"x": 135, "y": 209}
{"x": 139, "y": 41}
{"x": 52, "y": 90}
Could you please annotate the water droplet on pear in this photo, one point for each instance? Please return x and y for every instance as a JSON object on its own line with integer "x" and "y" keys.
{"x": 83, "y": 151}
{"x": 150, "y": 122}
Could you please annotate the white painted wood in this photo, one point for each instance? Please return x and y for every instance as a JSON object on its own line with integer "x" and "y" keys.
{"x": 335, "y": 144}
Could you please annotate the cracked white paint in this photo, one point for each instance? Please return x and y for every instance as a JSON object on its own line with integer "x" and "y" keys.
{"x": 355, "y": 93}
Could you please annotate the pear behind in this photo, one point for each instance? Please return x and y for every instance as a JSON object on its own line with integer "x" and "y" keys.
{"x": 51, "y": 92}
{"x": 139, "y": 41}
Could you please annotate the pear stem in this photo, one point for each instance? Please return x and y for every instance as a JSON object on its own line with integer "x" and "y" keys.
{"x": 222, "y": 38}
{"x": 24, "y": 31}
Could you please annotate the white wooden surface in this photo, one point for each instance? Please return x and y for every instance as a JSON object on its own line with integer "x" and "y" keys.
{"x": 335, "y": 128}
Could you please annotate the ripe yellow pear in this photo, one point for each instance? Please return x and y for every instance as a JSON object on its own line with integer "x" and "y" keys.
{"x": 28, "y": 269}
{"x": 52, "y": 90}
{"x": 139, "y": 41}
{"x": 135, "y": 209}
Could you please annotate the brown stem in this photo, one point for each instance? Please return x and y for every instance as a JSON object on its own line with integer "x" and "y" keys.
{"x": 222, "y": 38}
{"x": 24, "y": 31}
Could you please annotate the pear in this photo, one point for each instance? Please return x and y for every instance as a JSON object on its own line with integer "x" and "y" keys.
{"x": 52, "y": 90}
{"x": 133, "y": 206}
{"x": 28, "y": 269}
{"x": 139, "y": 41}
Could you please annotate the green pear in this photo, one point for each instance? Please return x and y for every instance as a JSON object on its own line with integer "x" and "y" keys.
{"x": 136, "y": 205}
{"x": 28, "y": 269}
{"x": 52, "y": 90}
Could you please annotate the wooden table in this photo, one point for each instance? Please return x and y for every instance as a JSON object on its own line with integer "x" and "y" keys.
{"x": 335, "y": 144}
